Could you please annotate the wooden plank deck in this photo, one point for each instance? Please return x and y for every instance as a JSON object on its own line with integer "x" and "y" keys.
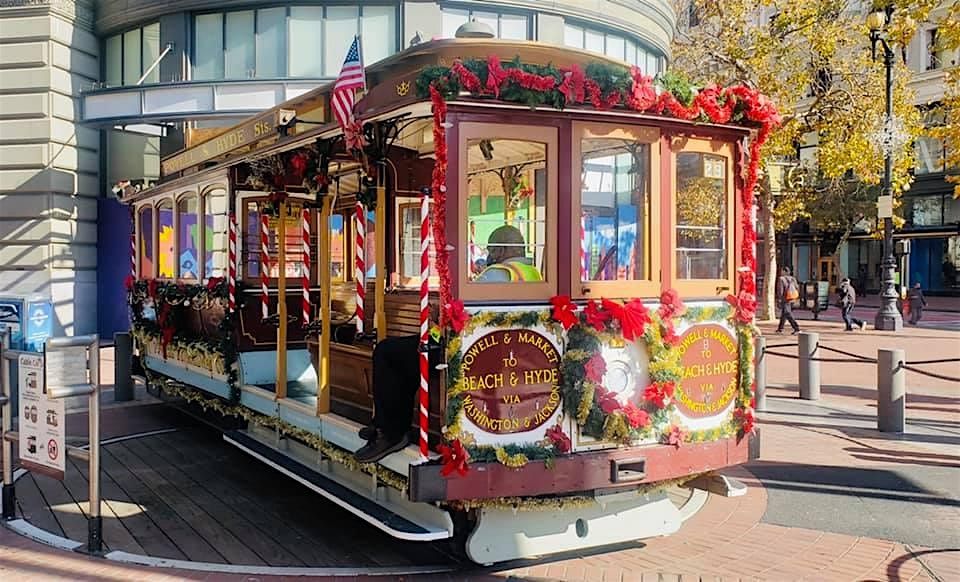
{"x": 188, "y": 495}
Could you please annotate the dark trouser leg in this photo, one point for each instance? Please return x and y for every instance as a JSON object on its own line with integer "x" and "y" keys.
{"x": 786, "y": 314}
{"x": 845, "y": 313}
{"x": 396, "y": 378}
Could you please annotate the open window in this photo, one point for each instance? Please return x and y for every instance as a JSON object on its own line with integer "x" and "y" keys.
{"x": 703, "y": 218}
{"x": 615, "y": 195}
{"x": 508, "y": 211}
{"x": 293, "y": 240}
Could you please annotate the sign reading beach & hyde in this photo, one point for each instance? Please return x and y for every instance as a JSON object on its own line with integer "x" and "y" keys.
{"x": 512, "y": 381}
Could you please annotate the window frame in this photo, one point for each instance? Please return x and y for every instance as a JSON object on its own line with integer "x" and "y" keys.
{"x": 198, "y": 214}
{"x": 711, "y": 288}
{"x": 500, "y": 11}
{"x": 243, "y": 252}
{"x": 400, "y": 204}
{"x": 527, "y": 291}
{"x": 137, "y": 232}
{"x": 205, "y": 191}
{"x": 105, "y": 62}
{"x": 640, "y": 46}
{"x": 649, "y": 287}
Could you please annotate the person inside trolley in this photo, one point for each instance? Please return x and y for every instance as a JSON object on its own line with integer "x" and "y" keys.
{"x": 396, "y": 367}
{"x": 506, "y": 258}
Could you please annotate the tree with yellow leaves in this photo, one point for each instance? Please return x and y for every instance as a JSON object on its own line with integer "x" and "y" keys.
{"x": 813, "y": 60}
{"x": 947, "y": 19}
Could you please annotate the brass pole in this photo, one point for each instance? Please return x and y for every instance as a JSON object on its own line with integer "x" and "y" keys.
{"x": 281, "y": 387}
{"x": 323, "y": 267}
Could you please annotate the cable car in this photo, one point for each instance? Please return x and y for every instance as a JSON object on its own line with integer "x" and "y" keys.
{"x": 568, "y": 242}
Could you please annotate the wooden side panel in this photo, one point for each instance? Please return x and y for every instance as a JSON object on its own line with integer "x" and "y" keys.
{"x": 351, "y": 382}
{"x": 581, "y": 472}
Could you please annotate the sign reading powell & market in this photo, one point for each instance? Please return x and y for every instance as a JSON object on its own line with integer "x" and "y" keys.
{"x": 511, "y": 381}
{"x": 709, "y": 356}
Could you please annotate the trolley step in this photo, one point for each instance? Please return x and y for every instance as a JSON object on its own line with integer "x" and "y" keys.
{"x": 338, "y": 491}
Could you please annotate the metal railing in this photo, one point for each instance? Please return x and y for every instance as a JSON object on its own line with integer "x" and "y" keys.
{"x": 892, "y": 366}
{"x": 89, "y": 388}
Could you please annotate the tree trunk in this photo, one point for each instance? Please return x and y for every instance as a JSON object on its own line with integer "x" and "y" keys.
{"x": 835, "y": 257}
{"x": 767, "y": 301}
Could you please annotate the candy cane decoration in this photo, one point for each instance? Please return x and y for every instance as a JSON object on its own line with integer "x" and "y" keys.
{"x": 305, "y": 271}
{"x": 264, "y": 264}
{"x": 424, "y": 321}
{"x": 232, "y": 265}
{"x": 359, "y": 266}
{"x": 133, "y": 254}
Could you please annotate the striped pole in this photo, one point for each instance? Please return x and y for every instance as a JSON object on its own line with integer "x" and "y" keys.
{"x": 264, "y": 264}
{"x": 232, "y": 265}
{"x": 584, "y": 274}
{"x": 133, "y": 254}
{"x": 359, "y": 262}
{"x": 305, "y": 271}
{"x": 424, "y": 325}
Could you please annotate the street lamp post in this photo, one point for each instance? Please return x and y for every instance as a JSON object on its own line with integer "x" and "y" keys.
{"x": 888, "y": 317}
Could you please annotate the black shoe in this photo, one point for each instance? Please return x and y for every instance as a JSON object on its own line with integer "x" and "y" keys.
{"x": 795, "y": 332}
{"x": 778, "y": 331}
{"x": 379, "y": 448}
{"x": 368, "y": 433}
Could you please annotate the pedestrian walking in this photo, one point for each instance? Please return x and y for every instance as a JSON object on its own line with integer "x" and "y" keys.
{"x": 848, "y": 300}
{"x": 788, "y": 293}
{"x": 916, "y": 301}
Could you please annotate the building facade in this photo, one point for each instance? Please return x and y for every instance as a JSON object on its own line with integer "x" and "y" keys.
{"x": 96, "y": 93}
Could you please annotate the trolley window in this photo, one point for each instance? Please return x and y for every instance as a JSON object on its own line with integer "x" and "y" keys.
{"x": 409, "y": 219}
{"x": 338, "y": 256}
{"x": 508, "y": 205}
{"x": 188, "y": 238}
{"x": 615, "y": 194}
{"x": 703, "y": 213}
{"x": 215, "y": 220}
{"x": 293, "y": 240}
{"x": 145, "y": 230}
{"x": 166, "y": 240}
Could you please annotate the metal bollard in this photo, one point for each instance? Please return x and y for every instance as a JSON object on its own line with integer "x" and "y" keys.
{"x": 760, "y": 373}
{"x": 891, "y": 391}
{"x": 122, "y": 367}
{"x": 809, "y": 368}
{"x": 6, "y": 392}
{"x": 94, "y": 520}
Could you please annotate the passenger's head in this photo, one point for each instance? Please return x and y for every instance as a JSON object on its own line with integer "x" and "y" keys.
{"x": 917, "y": 285}
{"x": 504, "y": 243}
{"x": 786, "y": 270}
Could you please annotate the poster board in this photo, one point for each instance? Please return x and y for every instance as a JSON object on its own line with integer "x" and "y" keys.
{"x": 42, "y": 443}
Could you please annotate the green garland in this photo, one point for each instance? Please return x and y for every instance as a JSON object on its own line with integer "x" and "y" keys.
{"x": 169, "y": 297}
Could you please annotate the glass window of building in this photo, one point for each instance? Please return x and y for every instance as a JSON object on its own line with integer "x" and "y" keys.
{"x": 505, "y": 25}
{"x": 208, "y": 47}
{"x": 305, "y": 49}
{"x": 165, "y": 236}
{"x": 128, "y": 55}
{"x": 270, "y": 46}
{"x": 290, "y": 41}
{"x": 340, "y": 26}
{"x": 215, "y": 232}
{"x": 613, "y": 45}
{"x": 701, "y": 210}
{"x": 188, "y": 238}
{"x": 924, "y": 210}
{"x": 239, "y": 49}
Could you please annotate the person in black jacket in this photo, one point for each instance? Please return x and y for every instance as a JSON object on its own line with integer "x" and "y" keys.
{"x": 848, "y": 300}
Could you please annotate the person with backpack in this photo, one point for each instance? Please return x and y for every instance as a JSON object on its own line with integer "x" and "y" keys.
{"x": 848, "y": 300}
{"x": 788, "y": 293}
{"x": 917, "y": 302}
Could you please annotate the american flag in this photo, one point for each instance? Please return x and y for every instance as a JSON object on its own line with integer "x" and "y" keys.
{"x": 351, "y": 78}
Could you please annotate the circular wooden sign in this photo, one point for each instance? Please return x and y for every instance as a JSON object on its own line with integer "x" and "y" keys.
{"x": 511, "y": 381}
{"x": 709, "y": 358}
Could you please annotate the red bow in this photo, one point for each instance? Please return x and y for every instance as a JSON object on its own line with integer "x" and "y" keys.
{"x": 596, "y": 316}
{"x": 455, "y": 459}
{"x": 212, "y": 283}
{"x": 128, "y": 283}
{"x": 560, "y": 441}
{"x": 635, "y": 320}
{"x": 353, "y": 136}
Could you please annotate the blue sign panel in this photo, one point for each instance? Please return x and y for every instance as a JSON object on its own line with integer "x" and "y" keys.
{"x": 39, "y": 325}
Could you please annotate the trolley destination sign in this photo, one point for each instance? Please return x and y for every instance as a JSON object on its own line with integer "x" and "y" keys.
{"x": 258, "y": 128}
{"x": 709, "y": 359}
{"x": 512, "y": 380}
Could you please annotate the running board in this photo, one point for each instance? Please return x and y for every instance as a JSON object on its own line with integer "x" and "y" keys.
{"x": 380, "y": 506}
